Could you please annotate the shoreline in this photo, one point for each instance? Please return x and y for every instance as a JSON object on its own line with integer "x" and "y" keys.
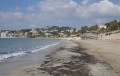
{"x": 34, "y": 38}
{"x": 8, "y": 56}
{"x": 71, "y": 59}
{"x": 25, "y": 60}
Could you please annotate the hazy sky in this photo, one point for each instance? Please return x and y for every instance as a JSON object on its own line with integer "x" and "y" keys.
{"x": 21, "y": 14}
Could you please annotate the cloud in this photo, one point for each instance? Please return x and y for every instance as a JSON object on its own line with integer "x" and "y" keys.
{"x": 10, "y": 16}
{"x": 30, "y": 8}
{"x": 68, "y": 8}
{"x": 58, "y": 8}
{"x": 62, "y": 12}
{"x": 85, "y": 2}
{"x": 18, "y": 9}
{"x": 19, "y": 15}
{"x": 104, "y": 8}
{"x": 100, "y": 21}
{"x": 32, "y": 25}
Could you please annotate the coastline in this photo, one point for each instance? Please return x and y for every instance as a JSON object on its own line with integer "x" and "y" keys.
{"x": 35, "y": 38}
{"x": 74, "y": 58}
{"x": 15, "y": 63}
{"x": 22, "y": 47}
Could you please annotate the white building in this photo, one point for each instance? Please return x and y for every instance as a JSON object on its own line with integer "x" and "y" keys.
{"x": 55, "y": 30}
{"x": 47, "y": 34}
{"x": 102, "y": 26}
{"x": 26, "y": 34}
{"x": 34, "y": 32}
{"x": 71, "y": 30}
{"x": 3, "y": 35}
{"x": 61, "y": 34}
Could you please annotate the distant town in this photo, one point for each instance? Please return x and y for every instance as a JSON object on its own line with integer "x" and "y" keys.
{"x": 56, "y": 31}
{"x": 48, "y": 31}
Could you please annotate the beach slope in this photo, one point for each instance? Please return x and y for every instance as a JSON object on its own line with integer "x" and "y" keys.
{"x": 75, "y": 58}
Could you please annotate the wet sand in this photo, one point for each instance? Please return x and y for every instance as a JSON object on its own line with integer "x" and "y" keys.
{"x": 72, "y": 59}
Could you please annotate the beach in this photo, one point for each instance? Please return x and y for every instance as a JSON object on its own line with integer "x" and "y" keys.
{"x": 105, "y": 50}
{"x": 77, "y": 58}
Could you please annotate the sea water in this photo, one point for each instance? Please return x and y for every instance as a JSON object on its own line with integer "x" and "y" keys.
{"x": 12, "y": 47}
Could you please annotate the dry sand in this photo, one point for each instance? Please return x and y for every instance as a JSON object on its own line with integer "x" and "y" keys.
{"x": 107, "y": 51}
{"x": 78, "y": 58}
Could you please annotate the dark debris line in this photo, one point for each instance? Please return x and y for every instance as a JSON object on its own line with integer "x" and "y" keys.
{"x": 76, "y": 67}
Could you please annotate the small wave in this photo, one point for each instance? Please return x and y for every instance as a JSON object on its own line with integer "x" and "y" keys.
{"x": 47, "y": 46}
{"x": 6, "y": 56}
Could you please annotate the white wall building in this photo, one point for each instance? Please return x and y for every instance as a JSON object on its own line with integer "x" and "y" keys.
{"x": 102, "y": 26}
{"x": 61, "y": 34}
{"x": 3, "y": 35}
{"x": 71, "y": 30}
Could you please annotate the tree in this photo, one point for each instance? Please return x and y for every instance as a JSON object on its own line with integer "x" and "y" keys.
{"x": 102, "y": 30}
{"x": 115, "y": 21}
{"x": 84, "y": 29}
{"x": 119, "y": 25}
{"x": 41, "y": 33}
{"x": 74, "y": 31}
{"x": 67, "y": 33}
{"x": 30, "y": 35}
{"x": 113, "y": 25}
{"x": 93, "y": 28}
{"x": 79, "y": 32}
{"x": 25, "y": 30}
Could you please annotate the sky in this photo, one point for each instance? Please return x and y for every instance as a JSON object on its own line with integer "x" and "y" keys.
{"x": 30, "y": 14}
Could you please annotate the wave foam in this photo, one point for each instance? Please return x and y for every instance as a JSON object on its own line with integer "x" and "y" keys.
{"x": 6, "y": 56}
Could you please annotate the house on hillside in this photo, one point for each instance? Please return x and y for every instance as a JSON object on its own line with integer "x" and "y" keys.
{"x": 61, "y": 34}
{"x": 34, "y": 32}
{"x": 102, "y": 26}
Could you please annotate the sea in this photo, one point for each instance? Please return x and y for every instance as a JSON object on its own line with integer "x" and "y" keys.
{"x": 13, "y": 47}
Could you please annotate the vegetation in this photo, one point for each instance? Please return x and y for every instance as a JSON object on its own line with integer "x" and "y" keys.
{"x": 55, "y": 31}
{"x": 25, "y": 30}
{"x": 84, "y": 29}
{"x": 111, "y": 26}
{"x": 93, "y": 28}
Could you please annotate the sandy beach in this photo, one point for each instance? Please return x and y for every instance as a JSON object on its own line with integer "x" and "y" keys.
{"x": 78, "y": 58}
{"x": 105, "y": 50}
